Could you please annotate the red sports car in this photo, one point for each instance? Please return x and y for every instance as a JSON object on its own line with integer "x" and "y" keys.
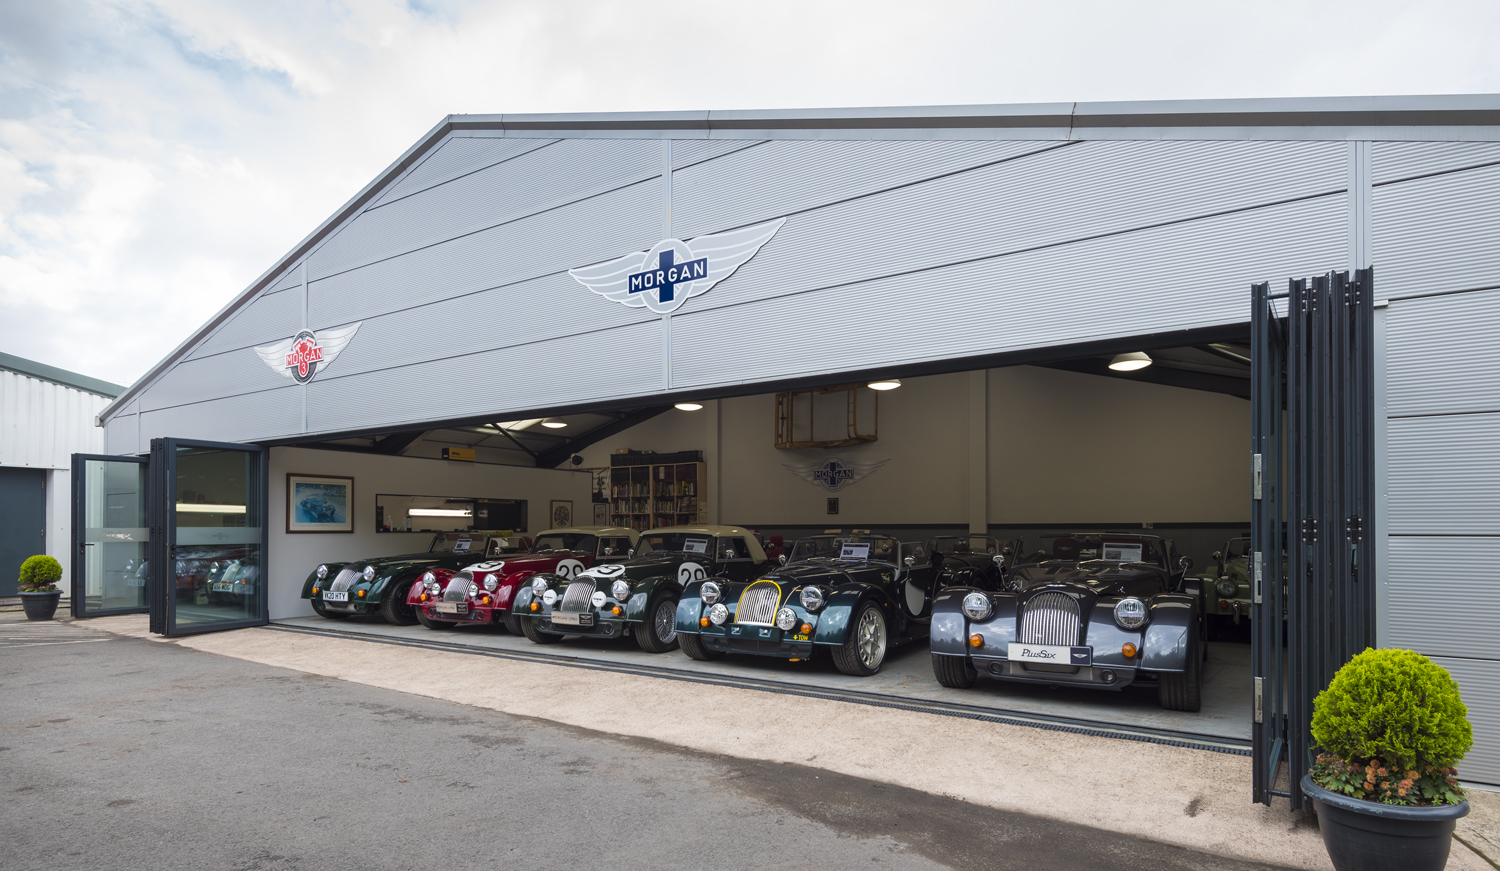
{"x": 482, "y": 593}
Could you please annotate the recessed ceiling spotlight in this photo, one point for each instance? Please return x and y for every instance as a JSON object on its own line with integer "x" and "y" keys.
{"x": 1130, "y": 362}
{"x": 688, "y": 406}
{"x": 885, "y": 384}
{"x": 553, "y": 423}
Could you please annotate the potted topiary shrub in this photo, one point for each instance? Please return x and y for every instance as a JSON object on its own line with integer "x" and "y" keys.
{"x": 39, "y": 592}
{"x": 1391, "y": 726}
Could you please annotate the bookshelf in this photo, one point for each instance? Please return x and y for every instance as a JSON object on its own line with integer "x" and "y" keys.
{"x": 655, "y": 495}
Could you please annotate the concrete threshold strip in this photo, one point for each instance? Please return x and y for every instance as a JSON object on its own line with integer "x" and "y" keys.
{"x": 1164, "y": 737}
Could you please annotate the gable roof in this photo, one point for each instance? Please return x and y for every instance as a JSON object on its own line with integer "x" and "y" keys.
{"x": 43, "y": 372}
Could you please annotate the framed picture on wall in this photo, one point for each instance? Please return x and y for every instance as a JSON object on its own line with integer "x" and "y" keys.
{"x": 319, "y": 503}
{"x": 601, "y": 513}
{"x": 562, "y": 513}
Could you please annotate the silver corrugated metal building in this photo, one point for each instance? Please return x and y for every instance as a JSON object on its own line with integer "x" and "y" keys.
{"x": 917, "y": 240}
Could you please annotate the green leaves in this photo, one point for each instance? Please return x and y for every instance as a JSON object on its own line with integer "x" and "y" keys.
{"x": 39, "y": 573}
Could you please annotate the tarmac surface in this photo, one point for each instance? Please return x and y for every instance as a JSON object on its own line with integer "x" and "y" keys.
{"x": 118, "y": 751}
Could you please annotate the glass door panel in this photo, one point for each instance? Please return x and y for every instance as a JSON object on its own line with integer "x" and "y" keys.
{"x": 110, "y": 536}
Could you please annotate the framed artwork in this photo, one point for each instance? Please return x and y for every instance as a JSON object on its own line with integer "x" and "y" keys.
{"x": 562, "y": 513}
{"x": 601, "y": 513}
{"x": 319, "y": 503}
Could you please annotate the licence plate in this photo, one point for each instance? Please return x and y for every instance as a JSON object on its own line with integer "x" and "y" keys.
{"x": 452, "y": 608}
{"x": 1049, "y": 654}
{"x": 572, "y": 618}
{"x": 331, "y": 596}
{"x": 223, "y": 588}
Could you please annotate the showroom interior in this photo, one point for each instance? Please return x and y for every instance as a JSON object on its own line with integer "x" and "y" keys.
{"x": 1056, "y": 309}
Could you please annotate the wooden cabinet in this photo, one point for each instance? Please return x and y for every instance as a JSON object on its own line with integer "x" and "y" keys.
{"x": 656, "y": 495}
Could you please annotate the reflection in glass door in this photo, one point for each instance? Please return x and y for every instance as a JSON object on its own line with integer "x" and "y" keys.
{"x": 109, "y": 535}
{"x": 212, "y": 507}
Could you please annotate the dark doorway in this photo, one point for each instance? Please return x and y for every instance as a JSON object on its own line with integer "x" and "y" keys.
{"x": 23, "y": 522}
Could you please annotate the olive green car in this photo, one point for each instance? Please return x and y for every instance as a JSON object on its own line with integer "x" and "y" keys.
{"x": 1226, "y": 583}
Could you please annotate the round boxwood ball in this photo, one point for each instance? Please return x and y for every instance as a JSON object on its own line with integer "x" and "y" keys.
{"x": 39, "y": 573}
{"x": 1397, "y": 706}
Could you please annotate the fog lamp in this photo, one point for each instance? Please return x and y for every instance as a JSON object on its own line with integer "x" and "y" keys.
{"x": 976, "y": 640}
{"x": 718, "y": 614}
{"x": 1128, "y": 650}
{"x": 549, "y": 597}
{"x": 786, "y": 618}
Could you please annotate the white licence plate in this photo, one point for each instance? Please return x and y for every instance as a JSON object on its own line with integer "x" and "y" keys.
{"x": 330, "y": 596}
{"x": 223, "y": 588}
{"x": 572, "y": 618}
{"x": 1049, "y": 654}
{"x": 452, "y": 608}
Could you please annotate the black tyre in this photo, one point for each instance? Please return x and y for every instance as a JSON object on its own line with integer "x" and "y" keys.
{"x": 658, "y": 632}
{"x": 953, "y": 671}
{"x": 394, "y": 608}
{"x": 323, "y": 611}
{"x": 865, "y": 643}
{"x": 1183, "y": 691}
{"x": 694, "y": 647}
{"x": 511, "y": 622}
{"x": 431, "y": 623}
{"x": 528, "y": 628}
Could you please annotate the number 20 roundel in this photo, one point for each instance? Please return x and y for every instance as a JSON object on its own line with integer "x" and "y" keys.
{"x": 689, "y": 572}
{"x": 568, "y": 569}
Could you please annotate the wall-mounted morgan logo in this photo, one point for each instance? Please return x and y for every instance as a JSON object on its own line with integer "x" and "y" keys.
{"x": 303, "y": 355}
{"x": 673, "y": 271}
{"x": 833, "y": 473}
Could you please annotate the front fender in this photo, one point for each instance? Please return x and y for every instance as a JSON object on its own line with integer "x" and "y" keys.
{"x": 1174, "y": 618}
{"x": 640, "y": 595}
{"x": 690, "y": 609}
{"x": 312, "y": 578}
{"x": 834, "y": 617}
{"x": 950, "y": 628}
{"x": 948, "y": 631}
{"x": 392, "y": 582}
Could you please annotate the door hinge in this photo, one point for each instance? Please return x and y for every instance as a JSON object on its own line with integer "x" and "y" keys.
{"x": 1310, "y": 529}
{"x": 1259, "y": 712}
{"x": 1354, "y": 528}
{"x": 1255, "y": 465}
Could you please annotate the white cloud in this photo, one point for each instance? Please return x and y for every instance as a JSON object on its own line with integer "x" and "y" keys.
{"x": 155, "y": 157}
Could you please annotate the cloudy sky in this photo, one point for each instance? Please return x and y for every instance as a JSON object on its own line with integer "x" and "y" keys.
{"x": 156, "y": 157}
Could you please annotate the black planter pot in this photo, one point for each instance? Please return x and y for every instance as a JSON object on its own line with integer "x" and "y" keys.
{"x": 40, "y": 606}
{"x": 1369, "y": 836}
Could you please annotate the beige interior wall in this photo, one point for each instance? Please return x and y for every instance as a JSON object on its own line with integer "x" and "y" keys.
{"x": 293, "y": 555}
{"x": 1071, "y": 448}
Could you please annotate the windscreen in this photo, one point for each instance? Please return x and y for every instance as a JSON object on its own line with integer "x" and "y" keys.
{"x": 1088, "y": 547}
{"x": 459, "y": 542}
{"x": 555, "y": 541}
{"x": 881, "y": 548}
{"x": 961, "y": 544}
{"x": 676, "y": 542}
{"x": 1239, "y": 548}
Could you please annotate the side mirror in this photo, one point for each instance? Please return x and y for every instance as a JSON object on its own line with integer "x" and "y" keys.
{"x": 1184, "y": 564}
{"x": 609, "y": 551}
{"x": 631, "y": 553}
{"x": 781, "y": 560}
{"x": 999, "y": 560}
{"x": 910, "y": 561}
{"x": 1218, "y": 555}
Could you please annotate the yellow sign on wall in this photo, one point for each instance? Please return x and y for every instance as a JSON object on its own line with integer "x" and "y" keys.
{"x": 466, "y": 454}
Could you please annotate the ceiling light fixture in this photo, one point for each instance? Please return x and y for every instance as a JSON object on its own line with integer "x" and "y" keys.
{"x": 204, "y": 508}
{"x": 551, "y": 423}
{"x": 885, "y": 384}
{"x": 1130, "y": 362}
{"x": 688, "y": 406}
{"x": 441, "y": 512}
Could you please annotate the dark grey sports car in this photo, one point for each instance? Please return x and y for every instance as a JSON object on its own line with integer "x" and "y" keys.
{"x": 1087, "y": 609}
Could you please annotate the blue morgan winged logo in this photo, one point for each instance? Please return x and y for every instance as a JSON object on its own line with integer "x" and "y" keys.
{"x": 672, "y": 271}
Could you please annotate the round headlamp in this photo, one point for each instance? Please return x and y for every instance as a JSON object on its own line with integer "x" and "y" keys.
{"x": 977, "y": 606}
{"x": 322, "y": 572}
{"x": 539, "y": 583}
{"x": 709, "y": 592}
{"x": 1228, "y": 587}
{"x": 620, "y": 590}
{"x": 549, "y": 597}
{"x": 718, "y": 614}
{"x": 812, "y": 598}
{"x": 369, "y": 573}
{"x": 1130, "y": 613}
{"x": 597, "y": 600}
{"x": 490, "y": 584}
{"x": 786, "y": 618}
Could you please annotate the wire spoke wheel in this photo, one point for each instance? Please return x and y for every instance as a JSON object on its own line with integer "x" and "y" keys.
{"x": 665, "y": 619}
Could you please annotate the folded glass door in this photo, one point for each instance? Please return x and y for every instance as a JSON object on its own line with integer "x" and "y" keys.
{"x": 208, "y": 503}
{"x": 109, "y": 535}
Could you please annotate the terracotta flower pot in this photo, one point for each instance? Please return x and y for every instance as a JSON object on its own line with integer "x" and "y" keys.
{"x": 1369, "y": 836}
{"x": 40, "y": 606}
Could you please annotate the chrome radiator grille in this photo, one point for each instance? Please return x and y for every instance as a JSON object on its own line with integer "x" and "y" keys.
{"x": 758, "y": 604}
{"x": 1050, "y": 618}
{"x": 576, "y": 596}
{"x": 344, "y": 580}
{"x": 458, "y": 588}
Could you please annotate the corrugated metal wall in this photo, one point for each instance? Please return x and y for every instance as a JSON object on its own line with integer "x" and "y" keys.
{"x": 1435, "y": 216}
{"x": 43, "y": 424}
{"x": 458, "y": 272}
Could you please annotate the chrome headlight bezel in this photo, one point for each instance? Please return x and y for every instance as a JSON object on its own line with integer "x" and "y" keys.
{"x": 368, "y": 574}
{"x": 1131, "y": 613}
{"x": 322, "y": 572}
{"x": 1227, "y": 588}
{"x": 710, "y": 592}
{"x": 490, "y": 584}
{"x": 718, "y": 614}
{"x": 597, "y": 600}
{"x": 786, "y": 619}
{"x": 812, "y": 598}
{"x": 977, "y": 606}
{"x": 538, "y": 584}
{"x": 620, "y": 590}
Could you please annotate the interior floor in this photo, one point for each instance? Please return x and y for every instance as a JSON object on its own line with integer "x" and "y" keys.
{"x": 906, "y": 676}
